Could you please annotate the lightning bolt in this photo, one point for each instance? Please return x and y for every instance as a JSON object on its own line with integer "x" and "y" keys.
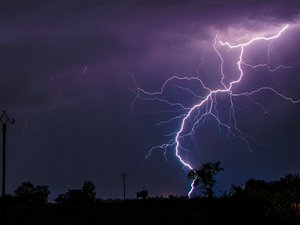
{"x": 191, "y": 117}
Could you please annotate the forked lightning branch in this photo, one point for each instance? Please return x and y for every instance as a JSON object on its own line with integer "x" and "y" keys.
{"x": 207, "y": 105}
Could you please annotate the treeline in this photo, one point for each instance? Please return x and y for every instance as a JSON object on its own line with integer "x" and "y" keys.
{"x": 278, "y": 202}
{"x": 281, "y": 193}
{"x": 255, "y": 202}
{"x": 29, "y": 193}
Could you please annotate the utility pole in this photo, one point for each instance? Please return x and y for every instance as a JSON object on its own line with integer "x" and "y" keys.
{"x": 124, "y": 175}
{"x": 4, "y": 119}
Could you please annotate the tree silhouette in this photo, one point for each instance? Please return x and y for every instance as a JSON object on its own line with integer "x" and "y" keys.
{"x": 142, "y": 194}
{"x": 204, "y": 177}
{"x": 279, "y": 201}
{"x": 29, "y": 193}
{"x": 86, "y": 195}
{"x": 89, "y": 190}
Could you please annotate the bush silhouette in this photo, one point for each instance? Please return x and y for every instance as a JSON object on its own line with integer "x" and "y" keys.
{"x": 29, "y": 193}
{"x": 142, "y": 194}
{"x": 86, "y": 195}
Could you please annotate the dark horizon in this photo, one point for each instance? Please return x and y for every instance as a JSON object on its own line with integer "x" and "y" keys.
{"x": 69, "y": 77}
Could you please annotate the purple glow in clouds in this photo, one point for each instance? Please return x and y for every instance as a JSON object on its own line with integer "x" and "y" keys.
{"x": 192, "y": 117}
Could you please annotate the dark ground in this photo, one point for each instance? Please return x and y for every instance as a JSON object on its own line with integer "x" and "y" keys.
{"x": 150, "y": 211}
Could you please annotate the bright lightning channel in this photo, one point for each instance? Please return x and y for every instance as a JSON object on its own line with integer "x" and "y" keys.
{"x": 208, "y": 102}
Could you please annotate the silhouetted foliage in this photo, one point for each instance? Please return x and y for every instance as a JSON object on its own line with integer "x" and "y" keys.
{"x": 142, "y": 194}
{"x": 280, "y": 199}
{"x": 256, "y": 202}
{"x": 86, "y": 195}
{"x": 204, "y": 177}
{"x": 29, "y": 193}
{"x": 235, "y": 190}
{"x": 89, "y": 190}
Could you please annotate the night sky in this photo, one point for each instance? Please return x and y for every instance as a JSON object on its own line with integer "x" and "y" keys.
{"x": 69, "y": 71}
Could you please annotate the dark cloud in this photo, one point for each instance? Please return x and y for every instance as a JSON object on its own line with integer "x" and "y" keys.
{"x": 65, "y": 75}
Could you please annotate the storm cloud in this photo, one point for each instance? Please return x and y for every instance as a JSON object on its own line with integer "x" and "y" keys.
{"x": 65, "y": 76}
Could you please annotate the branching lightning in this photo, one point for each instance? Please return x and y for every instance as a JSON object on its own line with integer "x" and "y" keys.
{"x": 191, "y": 117}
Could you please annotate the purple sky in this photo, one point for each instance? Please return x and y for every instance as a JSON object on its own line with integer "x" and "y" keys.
{"x": 66, "y": 71}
